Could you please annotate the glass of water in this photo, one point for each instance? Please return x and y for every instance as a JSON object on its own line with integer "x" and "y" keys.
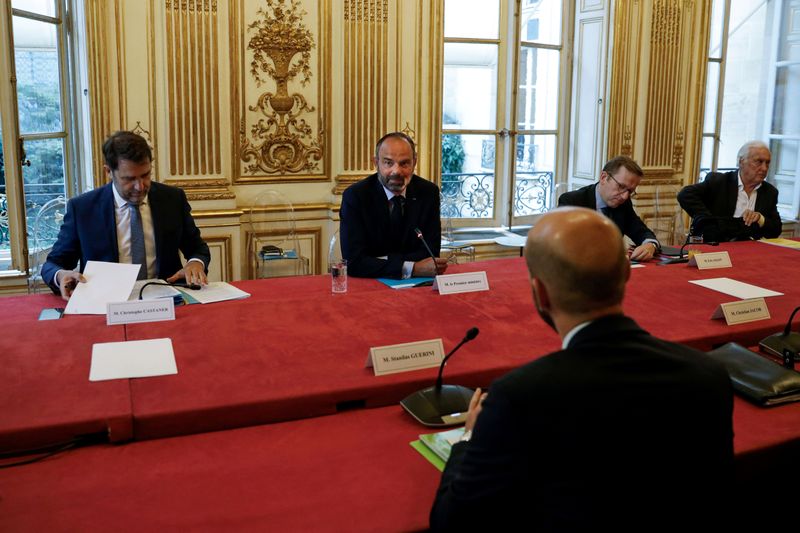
{"x": 339, "y": 276}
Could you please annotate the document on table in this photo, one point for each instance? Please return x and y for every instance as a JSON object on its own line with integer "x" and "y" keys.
{"x": 216, "y": 291}
{"x": 786, "y": 243}
{"x": 735, "y": 288}
{"x": 105, "y": 282}
{"x": 153, "y": 292}
{"x": 132, "y": 359}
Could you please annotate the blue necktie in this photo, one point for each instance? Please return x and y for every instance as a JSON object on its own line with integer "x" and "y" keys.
{"x": 138, "y": 252}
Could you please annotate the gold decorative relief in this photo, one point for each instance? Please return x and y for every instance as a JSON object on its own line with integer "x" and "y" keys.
{"x": 204, "y": 189}
{"x": 282, "y": 141}
{"x": 677, "y": 151}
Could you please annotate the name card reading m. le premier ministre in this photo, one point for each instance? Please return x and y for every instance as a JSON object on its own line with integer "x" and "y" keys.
{"x": 136, "y": 311}
{"x": 466, "y": 282}
{"x": 742, "y": 311}
{"x": 405, "y": 357}
{"x": 709, "y": 260}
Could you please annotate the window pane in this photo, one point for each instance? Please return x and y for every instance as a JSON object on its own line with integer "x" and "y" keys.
{"x": 43, "y": 181}
{"x": 537, "y": 99}
{"x": 712, "y": 86}
{"x": 41, "y": 7}
{"x": 467, "y": 176}
{"x": 540, "y": 22}
{"x": 38, "y": 89}
{"x": 706, "y": 157}
{"x": 470, "y": 86}
{"x": 786, "y": 116}
{"x": 715, "y": 42}
{"x": 476, "y": 19}
{"x": 790, "y": 32}
{"x": 535, "y": 170}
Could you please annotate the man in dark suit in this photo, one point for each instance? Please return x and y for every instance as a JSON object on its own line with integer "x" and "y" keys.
{"x": 130, "y": 220}
{"x": 737, "y": 205}
{"x": 617, "y": 431}
{"x": 612, "y": 197}
{"x": 381, "y": 213}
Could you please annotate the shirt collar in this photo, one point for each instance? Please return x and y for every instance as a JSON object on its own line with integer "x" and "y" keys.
{"x": 599, "y": 199}
{"x": 121, "y": 202}
{"x": 568, "y": 337}
{"x": 390, "y": 194}
{"x": 741, "y": 183}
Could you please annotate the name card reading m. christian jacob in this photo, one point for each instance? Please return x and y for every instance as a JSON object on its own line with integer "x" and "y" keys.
{"x": 466, "y": 282}
{"x": 742, "y": 311}
{"x": 404, "y": 357}
{"x": 709, "y": 260}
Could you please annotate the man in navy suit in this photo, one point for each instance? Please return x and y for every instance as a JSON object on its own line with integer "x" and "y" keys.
{"x": 737, "y": 205}
{"x": 611, "y": 195}
{"x": 381, "y": 213}
{"x": 617, "y": 431}
{"x": 130, "y": 220}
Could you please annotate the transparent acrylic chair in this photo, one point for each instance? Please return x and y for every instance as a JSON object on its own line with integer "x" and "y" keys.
{"x": 273, "y": 245}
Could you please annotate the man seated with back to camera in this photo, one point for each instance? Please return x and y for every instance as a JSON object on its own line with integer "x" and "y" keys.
{"x": 737, "y": 205}
{"x": 381, "y": 213}
{"x": 616, "y": 431}
{"x": 130, "y": 220}
{"x": 611, "y": 195}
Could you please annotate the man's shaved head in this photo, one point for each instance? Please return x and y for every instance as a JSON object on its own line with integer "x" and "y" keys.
{"x": 579, "y": 256}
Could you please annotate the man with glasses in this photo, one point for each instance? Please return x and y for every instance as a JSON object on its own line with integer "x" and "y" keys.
{"x": 612, "y": 197}
{"x": 130, "y": 220}
{"x": 737, "y": 205}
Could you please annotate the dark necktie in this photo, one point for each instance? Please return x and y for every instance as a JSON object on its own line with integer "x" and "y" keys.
{"x": 606, "y": 211}
{"x": 396, "y": 217}
{"x": 138, "y": 253}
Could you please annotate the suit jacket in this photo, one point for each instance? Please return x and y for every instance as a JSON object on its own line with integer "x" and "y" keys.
{"x": 365, "y": 227}
{"x": 716, "y": 197}
{"x": 89, "y": 232}
{"x": 620, "y": 429}
{"x": 623, "y": 216}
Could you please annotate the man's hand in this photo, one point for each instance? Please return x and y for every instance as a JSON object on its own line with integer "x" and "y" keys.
{"x": 644, "y": 252}
{"x": 475, "y": 406}
{"x": 193, "y": 272}
{"x": 751, "y": 216}
{"x": 67, "y": 280}
{"x": 427, "y": 268}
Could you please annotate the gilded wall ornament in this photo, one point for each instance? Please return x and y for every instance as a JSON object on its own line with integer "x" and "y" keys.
{"x": 282, "y": 142}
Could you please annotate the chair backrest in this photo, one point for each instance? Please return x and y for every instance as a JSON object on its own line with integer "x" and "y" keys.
{"x": 666, "y": 222}
{"x": 272, "y": 223}
{"x": 46, "y": 225}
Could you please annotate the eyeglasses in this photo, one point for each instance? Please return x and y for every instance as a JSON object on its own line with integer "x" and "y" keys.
{"x": 622, "y": 188}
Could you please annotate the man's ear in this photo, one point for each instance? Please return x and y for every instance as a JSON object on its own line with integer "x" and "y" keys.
{"x": 540, "y": 294}
{"x": 107, "y": 170}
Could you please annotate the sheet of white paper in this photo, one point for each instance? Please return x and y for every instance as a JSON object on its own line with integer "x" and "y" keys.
{"x": 637, "y": 265}
{"x": 105, "y": 282}
{"x": 216, "y": 291}
{"x": 735, "y": 288}
{"x": 152, "y": 292}
{"x": 132, "y": 359}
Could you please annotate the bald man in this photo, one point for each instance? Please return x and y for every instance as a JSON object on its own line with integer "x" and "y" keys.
{"x": 737, "y": 205}
{"x": 618, "y": 429}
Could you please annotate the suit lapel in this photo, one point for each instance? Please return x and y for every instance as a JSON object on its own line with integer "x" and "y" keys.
{"x": 591, "y": 201}
{"x": 108, "y": 219}
{"x": 733, "y": 191}
{"x": 412, "y": 210}
{"x": 156, "y": 213}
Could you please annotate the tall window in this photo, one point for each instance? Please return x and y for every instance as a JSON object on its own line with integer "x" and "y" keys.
{"x": 753, "y": 90}
{"x": 503, "y": 91}
{"x": 37, "y": 124}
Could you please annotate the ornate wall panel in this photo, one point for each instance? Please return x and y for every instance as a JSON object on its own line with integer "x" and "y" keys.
{"x": 193, "y": 102}
{"x": 280, "y": 88}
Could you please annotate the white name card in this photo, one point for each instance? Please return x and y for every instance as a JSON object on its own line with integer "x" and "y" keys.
{"x": 742, "y": 311}
{"x": 466, "y": 282}
{"x": 136, "y": 311}
{"x": 405, "y": 357}
{"x": 710, "y": 260}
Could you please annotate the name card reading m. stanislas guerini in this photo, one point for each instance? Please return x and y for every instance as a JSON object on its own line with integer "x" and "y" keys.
{"x": 466, "y": 282}
{"x": 135, "y": 311}
{"x": 742, "y": 311}
{"x": 405, "y": 357}
{"x": 709, "y": 260}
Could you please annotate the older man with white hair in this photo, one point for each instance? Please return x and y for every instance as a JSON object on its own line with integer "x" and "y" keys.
{"x": 737, "y": 205}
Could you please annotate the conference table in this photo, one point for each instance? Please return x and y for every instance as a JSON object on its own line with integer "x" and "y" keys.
{"x": 275, "y": 422}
